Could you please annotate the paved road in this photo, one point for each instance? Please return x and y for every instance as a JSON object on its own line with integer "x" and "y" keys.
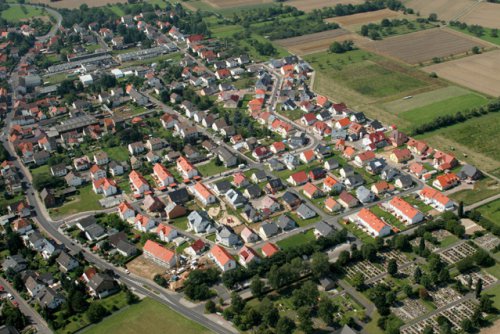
{"x": 481, "y": 203}
{"x": 33, "y": 317}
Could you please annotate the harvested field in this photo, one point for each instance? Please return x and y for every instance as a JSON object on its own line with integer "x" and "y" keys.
{"x": 310, "y": 5}
{"x": 423, "y": 46}
{"x": 317, "y": 42}
{"x": 486, "y": 15}
{"x": 478, "y": 72}
{"x": 76, "y": 3}
{"x": 235, "y": 3}
{"x": 445, "y": 9}
{"x": 363, "y": 18}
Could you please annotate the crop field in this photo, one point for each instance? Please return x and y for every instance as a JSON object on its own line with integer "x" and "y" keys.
{"x": 423, "y": 46}
{"x": 316, "y": 42}
{"x": 76, "y": 3}
{"x": 478, "y": 72}
{"x": 485, "y": 14}
{"x": 477, "y": 138}
{"x": 16, "y": 14}
{"x": 310, "y": 5}
{"x": 448, "y": 106}
{"x": 363, "y": 18}
{"x": 445, "y": 9}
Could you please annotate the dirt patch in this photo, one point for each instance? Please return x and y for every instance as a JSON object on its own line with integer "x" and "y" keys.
{"x": 478, "y": 72}
{"x": 235, "y": 3}
{"x": 494, "y": 329}
{"x": 363, "y": 18}
{"x": 142, "y": 267}
{"x": 445, "y": 9}
{"x": 310, "y": 5}
{"x": 316, "y": 42}
{"x": 71, "y": 4}
{"x": 423, "y": 46}
{"x": 486, "y": 14}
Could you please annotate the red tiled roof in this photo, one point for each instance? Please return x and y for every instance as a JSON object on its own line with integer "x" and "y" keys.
{"x": 158, "y": 251}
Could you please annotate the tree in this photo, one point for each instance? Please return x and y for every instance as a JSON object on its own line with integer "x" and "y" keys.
{"x": 479, "y": 287}
{"x": 417, "y": 275}
{"x": 12, "y": 316}
{"x": 369, "y": 252}
{"x": 307, "y": 295}
{"x": 131, "y": 297}
{"x": 285, "y": 325}
{"x": 320, "y": 265}
{"x": 270, "y": 314}
{"x": 467, "y": 325}
{"x": 305, "y": 320}
{"x": 486, "y": 304}
{"x": 96, "y": 312}
{"x": 237, "y": 303}
{"x": 325, "y": 310}
{"x": 428, "y": 330}
{"x": 344, "y": 258}
{"x": 476, "y": 50}
{"x": 210, "y": 306}
{"x": 392, "y": 267}
{"x": 461, "y": 209}
{"x": 423, "y": 294}
{"x": 256, "y": 286}
{"x": 358, "y": 281}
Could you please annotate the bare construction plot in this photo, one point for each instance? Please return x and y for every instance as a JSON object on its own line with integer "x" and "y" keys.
{"x": 316, "y": 42}
{"x": 445, "y": 9}
{"x": 363, "y": 18}
{"x": 485, "y": 14}
{"x": 423, "y": 46}
{"x": 310, "y": 5}
{"x": 478, "y": 72}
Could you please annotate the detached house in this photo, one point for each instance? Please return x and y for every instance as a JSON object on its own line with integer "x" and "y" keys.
{"x": 203, "y": 194}
{"x": 436, "y": 199}
{"x": 166, "y": 233}
{"x": 446, "y": 181}
{"x": 163, "y": 177}
{"x": 143, "y": 223}
{"x": 222, "y": 258}
{"x": 139, "y": 183}
{"x": 97, "y": 172}
{"x": 187, "y": 170}
{"x": 126, "y": 211}
{"x": 160, "y": 255}
{"x": 298, "y": 179}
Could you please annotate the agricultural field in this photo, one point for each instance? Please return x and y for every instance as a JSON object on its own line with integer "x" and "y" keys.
{"x": 478, "y": 72}
{"x": 491, "y": 211}
{"x": 364, "y": 18}
{"x": 363, "y": 72}
{"x": 445, "y": 9}
{"x": 222, "y": 6}
{"x": 310, "y": 5}
{"x": 147, "y": 316}
{"x": 448, "y": 106}
{"x": 423, "y": 46}
{"x": 487, "y": 36}
{"x": 234, "y": 3}
{"x": 485, "y": 14}
{"x": 316, "y": 42}
{"x": 477, "y": 138}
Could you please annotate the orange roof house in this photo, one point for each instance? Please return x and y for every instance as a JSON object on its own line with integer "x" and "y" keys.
{"x": 222, "y": 258}
{"x": 405, "y": 211}
{"x": 372, "y": 223}
{"x": 269, "y": 249}
{"x": 159, "y": 254}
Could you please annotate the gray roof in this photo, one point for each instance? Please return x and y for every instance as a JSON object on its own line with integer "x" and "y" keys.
{"x": 87, "y": 221}
{"x": 223, "y": 186}
{"x": 405, "y": 180}
{"x": 95, "y": 231}
{"x": 304, "y": 210}
{"x": 323, "y": 228}
{"x": 253, "y": 190}
{"x": 102, "y": 282}
{"x": 285, "y": 222}
{"x": 269, "y": 229}
{"x": 469, "y": 171}
{"x": 64, "y": 259}
{"x": 126, "y": 247}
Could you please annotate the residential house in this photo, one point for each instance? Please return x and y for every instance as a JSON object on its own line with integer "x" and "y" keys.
{"x": 373, "y": 224}
{"x": 160, "y": 255}
{"x": 126, "y": 211}
{"x": 331, "y": 205}
{"x": 274, "y": 185}
{"x": 235, "y": 199}
{"x": 163, "y": 176}
{"x": 187, "y": 170}
{"x": 305, "y": 212}
{"x": 139, "y": 183}
{"x": 364, "y": 195}
{"x": 203, "y": 194}
{"x": 331, "y": 184}
{"x": 166, "y": 233}
{"x": 105, "y": 186}
{"x": 48, "y": 198}
{"x": 268, "y": 230}
{"x": 248, "y": 235}
{"x": 153, "y": 204}
{"x": 285, "y": 223}
{"x": 446, "y": 181}
{"x": 247, "y": 255}
{"x": 311, "y": 191}
{"x": 144, "y": 223}
{"x": 196, "y": 248}
{"x": 269, "y": 249}
{"x": 21, "y": 226}
{"x": 403, "y": 181}
{"x": 240, "y": 180}
{"x": 101, "y": 158}
{"x": 136, "y": 148}
{"x": 226, "y": 236}
{"x": 331, "y": 164}
{"x": 222, "y": 258}
{"x": 66, "y": 262}
{"x": 115, "y": 168}
{"x": 347, "y": 200}
{"x": 58, "y": 170}
{"x": 469, "y": 172}
{"x": 73, "y": 180}
{"x": 307, "y": 156}
{"x": 404, "y": 211}
{"x": 381, "y": 187}
{"x": 322, "y": 229}
{"x": 354, "y": 181}
{"x": 252, "y": 191}
{"x": 290, "y": 200}
{"x": 200, "y": 222}
{"x": 436, "y": 199}
{"x": 298, "y": 179}
{"x": 400, "y": 155}
{"x": 444, "y": 161}
{"x": 96, "y": 172}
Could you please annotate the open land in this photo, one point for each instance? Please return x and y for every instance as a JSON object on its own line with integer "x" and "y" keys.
{"x": 423, "y": 46}
{"x": 477, "y": 138}
{"x": 448, "y": 106}
{"x": 310, "y": 5}
{"x": 16, "y": 14}
{"x": 147, "y": 316}
{"x": 491, "y": 211}
{"x": 445, "y": 9}
{"x": 485, "y": 14}
{"x": 363, "y": 18}
{"x": 316, "y": 42}
{"x": 478, "y": 72}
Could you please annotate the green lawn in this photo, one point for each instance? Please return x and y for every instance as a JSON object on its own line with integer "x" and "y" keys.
{"x": 40, "y": 170}
{"x": 284, "y": 174}
{"x": 228, "y": 11}
{"x": 360, "y": 71}
{"x": 210, "y": 168}
{"x": 117, "y": 153}
{"x": 57, "y": 78}
{"x": 448, "y": 106}
{"x": 304, "y": 222}
{"x": 448, "y": 241}
{"x": 484, "y": 188}
{"x": 486, "y": 36}
{"x": 174, "y": 57}
{"x": 297, "y": 239}
{"x": 495, "y": 270}
{"x": 364, "y": 237}
{"x": 495, "y": 291}
{"x": 148, "y": 316}
{"x": 16, "y": 13}
{"x": 491, "y": 211}
{"x": 85, "y": 200}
